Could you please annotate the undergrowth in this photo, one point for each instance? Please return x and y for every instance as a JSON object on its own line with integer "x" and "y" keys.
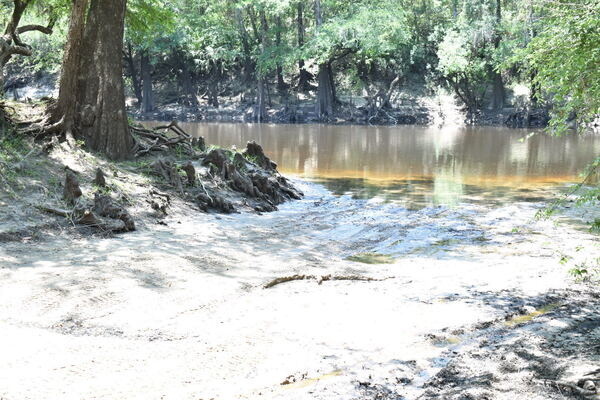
{"x": 586, "y": 192}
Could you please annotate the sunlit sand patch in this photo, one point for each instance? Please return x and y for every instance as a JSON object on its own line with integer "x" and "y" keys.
{"x": 522, "y": 319}
{"x": 309, "y": 381}
{"x": 371, "y": 258}
{"x": 443, "y": 341}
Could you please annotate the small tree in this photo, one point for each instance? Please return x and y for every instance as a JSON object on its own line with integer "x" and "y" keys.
{"x": 11, "y": 43}
{"x": 564, "y": 58}
{"x": 464, "y": 68}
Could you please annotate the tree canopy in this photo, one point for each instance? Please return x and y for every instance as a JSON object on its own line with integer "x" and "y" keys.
{"x": 478, "y": 50}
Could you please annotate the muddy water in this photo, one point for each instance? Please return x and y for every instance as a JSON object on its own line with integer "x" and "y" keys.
{"x": 420, "y": 166}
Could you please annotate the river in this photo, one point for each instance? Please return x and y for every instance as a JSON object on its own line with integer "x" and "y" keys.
{"x": 414, "y": 165}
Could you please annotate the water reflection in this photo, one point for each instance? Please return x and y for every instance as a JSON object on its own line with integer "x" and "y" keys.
{"x": 427, "y": 165}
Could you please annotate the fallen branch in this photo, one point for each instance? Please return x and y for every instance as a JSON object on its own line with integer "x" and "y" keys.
{"x": 55, "y": 211}
{"x": 159, "y": 141}
{"x": 284, "y": 279}
{"x": 323, "y": 278}
{"x": 576, "y": 389}
{"x": 174, "y": 126}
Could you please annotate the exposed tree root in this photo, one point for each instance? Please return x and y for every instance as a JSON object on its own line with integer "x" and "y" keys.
{"x": 104, "y": 213}
{"x": 6, "y": 121}
{"x": 161, "y": 138}
{"x": 323, "y": 278}
{"x": 147, "y": 140}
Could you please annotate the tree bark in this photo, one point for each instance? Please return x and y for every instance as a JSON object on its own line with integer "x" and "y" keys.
{"x": 248, "y": 66}
{"x": 261, "y": 111}
{"x": 135, "y": 80}
{"x": 326, "y": 89}
{"x": 213, "y": 84}
{"x": 187, "y": 83}
{"x": 281, "y": 86}
{"x": 148, "y": 94}
{"x": 325, "y": 93}
{"x": 69, "y": 76}
{"x": 91, "y": 102}
{"x": 304, "y": 77}
{"x": 498, "y": 92}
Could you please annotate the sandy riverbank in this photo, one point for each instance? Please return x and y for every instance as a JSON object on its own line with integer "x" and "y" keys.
{"x": 179, "y": 311}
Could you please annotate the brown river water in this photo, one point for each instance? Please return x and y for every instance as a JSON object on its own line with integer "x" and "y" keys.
{"x": 414, "y": 165}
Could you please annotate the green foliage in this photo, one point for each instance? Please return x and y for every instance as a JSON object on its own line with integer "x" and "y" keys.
{"x": 465, "y": 67}
{"x": 586, "y": 272}
{"x": 146, "y": 20}
{"x": 584, "y": 269}
{"x": 12, "y": 145}
{"x": 464, "y": 44}
{"x": 564, "y": 59}
{"x": 585, "y": 193}
{"x": 370, "y": 30}
{"x": 47, "y": 54}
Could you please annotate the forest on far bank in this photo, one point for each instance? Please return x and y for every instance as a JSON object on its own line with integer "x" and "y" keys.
{"x": 527, "y": 55}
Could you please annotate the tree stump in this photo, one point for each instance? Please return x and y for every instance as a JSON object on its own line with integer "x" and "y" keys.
{"x": 190, "y": 172}
{"x": 106, "y": 207}
{"x": 168, "y": 171}
{"x": 199, "y": 143}
{"x": 100, "y": 179}
{"x": 72, "y": 191}
{"x": 255, "y": 153}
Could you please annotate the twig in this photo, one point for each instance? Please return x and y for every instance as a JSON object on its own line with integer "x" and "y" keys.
{"x": 205, "y": 191}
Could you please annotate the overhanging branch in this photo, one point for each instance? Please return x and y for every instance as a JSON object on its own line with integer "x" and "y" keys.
{"x": 40, "y": 28}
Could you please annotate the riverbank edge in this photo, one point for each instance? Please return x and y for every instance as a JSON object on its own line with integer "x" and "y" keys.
{"x": 304, "y": 113}
{"x": 418, "y": 108}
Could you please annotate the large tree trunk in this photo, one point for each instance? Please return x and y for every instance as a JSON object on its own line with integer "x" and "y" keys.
{"x": 135, "y": 79}
{"x": 498, "y": 93}
{"x": 213, "y": 84}
{"x": 66, "y": 105}
{"x": 248, "y": 66}
{"x": 187, "y": 83}
{"x": 305, "y": 77}
{"x": 325, "y": 93}
{"x": 326, "y": 90}
{"x": 148, "y": 95}
{"x": 91, "y": 102}
{"x": 281, "y": 86}
{"x": 260, "y": 109}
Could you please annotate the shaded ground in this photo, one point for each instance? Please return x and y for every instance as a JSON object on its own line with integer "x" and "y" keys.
{"x": 180, "y": 311}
